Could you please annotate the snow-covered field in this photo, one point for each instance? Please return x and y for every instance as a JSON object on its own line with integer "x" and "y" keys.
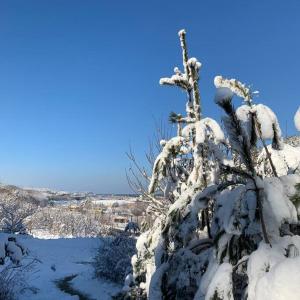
{"x": 58, "y": 259}
{"x": 95, "y": 201}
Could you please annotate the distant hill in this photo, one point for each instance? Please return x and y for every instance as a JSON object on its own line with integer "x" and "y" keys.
{"x": 43, "y": 196}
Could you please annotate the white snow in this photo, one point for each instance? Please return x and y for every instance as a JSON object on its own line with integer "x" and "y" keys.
{"x": 267, "y": 120}
{"x": 14, "y": 252}
{"x": 154, "y": 288}
{"x": 58, "y": 258}
{"x": 172, "y": 146}
{"x": 206, "y": 127}
{"x": 243, "y": 113}
{"x": 273, "y": 275}
{"x": 200, "y": 132}
{"x": 221, "y": 283}
{"x": 213, "y": 129}
{"x": 174, "y": 79}
{"x": 235, "y": 86}
{"x": 286, "y": 160}
{"x": 223, "y": 93}
{"x": 229, "y": 202}
{"x": 297, "y": 119}
{"x": 206, "y": 279}
{"x": 277, "y": 207}
{"x": 187, "y": 130}
{"x": 194, "y": 63}
{"x": 181, "y": 32}
{"x": 281, "y": 283}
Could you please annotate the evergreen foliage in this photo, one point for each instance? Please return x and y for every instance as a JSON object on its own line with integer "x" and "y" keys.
{"x": 232, "y": 195}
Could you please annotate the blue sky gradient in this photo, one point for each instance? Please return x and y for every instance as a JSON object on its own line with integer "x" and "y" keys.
{"x": 79, "y": 79}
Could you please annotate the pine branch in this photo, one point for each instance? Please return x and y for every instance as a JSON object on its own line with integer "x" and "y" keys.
{"x": 176, "y": 118}
{"x": 185, "y": 58}
{"x": 236, "y": 134}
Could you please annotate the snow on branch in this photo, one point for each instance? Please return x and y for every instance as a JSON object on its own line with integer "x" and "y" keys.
{"x": 171, "y": 148}
{"x": 267, "y": 120}
{"x": 211, "y": 128}
{"x": 223, "y": 94}
{"x": 235, "y": 86}
{"x": 179, "y": 80}
{"x": 187, "y": 80}
{"x": 181, "y": 35}
{"x": 256, "y": 120}
{"x": 268, "y": 125}
{"x": 238, "y": 138}
{"x": 194, "y": 63}
{"x": 259, "y": 120}
{"x": 297, "y": 119}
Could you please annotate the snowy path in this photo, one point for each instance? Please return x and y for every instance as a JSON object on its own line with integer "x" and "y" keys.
{"x": 60, "y": 258}
{"x": 67, "y": 287}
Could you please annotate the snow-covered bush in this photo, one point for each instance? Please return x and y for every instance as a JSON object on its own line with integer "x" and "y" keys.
{"x": 12, "y": 281}
{"x": 113, "y": 259}
{"x": 229, "y": 230}
{"x": 132, "y": 227}
{"x": 15, "y": 208}
{"x": 11, "y": 250}
{"x": 64, "y": 222}
{"x": 7, "y": 285}
{"x": 11, "y": 269}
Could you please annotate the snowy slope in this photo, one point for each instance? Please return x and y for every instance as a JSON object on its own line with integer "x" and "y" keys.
{"x": 60, "y": 258}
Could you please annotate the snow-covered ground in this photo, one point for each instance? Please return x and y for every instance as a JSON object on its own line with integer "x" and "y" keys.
{"x": 59, "y": 258}
{"x": 95, "y": 201}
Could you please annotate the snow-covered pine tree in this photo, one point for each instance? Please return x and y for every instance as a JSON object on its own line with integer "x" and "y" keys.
{"x": 262, "y": 214}
{"x": 229, "y": 227}
{"x": 187, "y": 163}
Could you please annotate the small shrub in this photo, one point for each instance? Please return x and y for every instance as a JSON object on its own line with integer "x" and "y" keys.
{"x": 113, "y": 259}
{"x": 8, "y": 281}
{"x": 11, "y": 270}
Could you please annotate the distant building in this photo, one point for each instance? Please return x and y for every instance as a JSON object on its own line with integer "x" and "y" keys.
{"x": 120, "y": 219}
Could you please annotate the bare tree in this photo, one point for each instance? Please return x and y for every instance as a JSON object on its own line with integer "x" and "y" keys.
{"x": 15, "y": 208}
{"x": 139, "y": 175}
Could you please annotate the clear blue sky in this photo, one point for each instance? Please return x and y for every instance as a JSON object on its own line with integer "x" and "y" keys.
{"x": 79, "y": 79}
